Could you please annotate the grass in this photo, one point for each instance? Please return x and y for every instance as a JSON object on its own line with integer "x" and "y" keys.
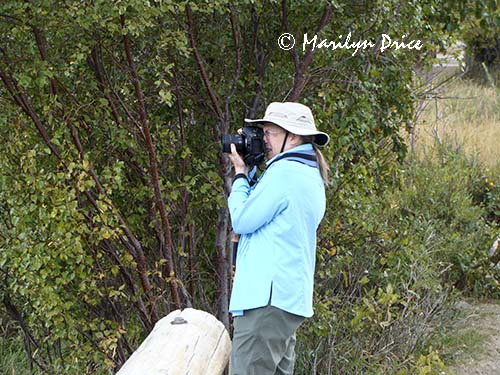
{"x": 465, "y": 115}
{"x": 13, "y": 359}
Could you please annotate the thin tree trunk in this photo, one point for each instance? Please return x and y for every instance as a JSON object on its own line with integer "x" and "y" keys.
{"x": 153, "y": 170}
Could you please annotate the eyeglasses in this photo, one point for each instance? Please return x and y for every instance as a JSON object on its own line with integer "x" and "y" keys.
{"x": 268, "y": 133}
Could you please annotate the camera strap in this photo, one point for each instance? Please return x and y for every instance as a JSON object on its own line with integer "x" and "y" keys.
{"x": 284, "y": 142}
{"x": 308, "y": 158}
{"x": 253, "y": 180}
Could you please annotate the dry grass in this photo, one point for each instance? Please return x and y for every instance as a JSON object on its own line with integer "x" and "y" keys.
{"x": 465, "y": 115}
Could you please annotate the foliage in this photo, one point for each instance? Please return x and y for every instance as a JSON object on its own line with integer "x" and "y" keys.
{"x": 487, "y": 194}
{"x": 387, "y": 265}
{"x": 481, "y": 35}
{"x": 466, "y": 224}
{"x": 112, "y": 184}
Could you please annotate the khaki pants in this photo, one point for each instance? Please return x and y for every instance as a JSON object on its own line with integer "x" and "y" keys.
{"x": 264, "y": 342}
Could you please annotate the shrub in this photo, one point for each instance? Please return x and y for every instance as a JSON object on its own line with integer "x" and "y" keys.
{"x": 387, "y": 264}
{"x": 481, "y": 36}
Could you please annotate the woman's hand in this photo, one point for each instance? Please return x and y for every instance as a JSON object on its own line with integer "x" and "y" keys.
{"x": 238, "y": 162}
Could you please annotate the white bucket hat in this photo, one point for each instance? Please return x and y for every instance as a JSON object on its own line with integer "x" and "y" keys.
{"x": 294, "y": 117}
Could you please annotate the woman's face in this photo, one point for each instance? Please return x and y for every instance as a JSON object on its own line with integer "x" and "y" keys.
{"x": 273, "y": 139}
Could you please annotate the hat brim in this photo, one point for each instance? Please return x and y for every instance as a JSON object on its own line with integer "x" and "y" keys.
{"x": 320, "y": 138}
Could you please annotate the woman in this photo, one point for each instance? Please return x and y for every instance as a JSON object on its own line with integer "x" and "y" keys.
{"x": 277, "y": 219}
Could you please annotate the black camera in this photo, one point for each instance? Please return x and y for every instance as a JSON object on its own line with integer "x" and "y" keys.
{"x": 249, "y": 144}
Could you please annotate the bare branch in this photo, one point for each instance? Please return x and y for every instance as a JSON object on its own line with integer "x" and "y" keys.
{"x": 235, "y": 29}
{"x": 201, "y": 66}
{"x": 301, "y": 68}
{"x": 23, "y": 102}
{"x": 259, "y": 64}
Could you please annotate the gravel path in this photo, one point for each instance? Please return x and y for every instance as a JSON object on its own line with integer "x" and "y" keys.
{"x": 482, "y": 319}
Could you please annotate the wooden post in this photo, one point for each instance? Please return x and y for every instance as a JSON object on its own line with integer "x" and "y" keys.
{"x": 187, "y": 342}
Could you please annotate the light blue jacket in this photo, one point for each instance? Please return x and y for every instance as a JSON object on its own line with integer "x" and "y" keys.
{"x": 277, "y": 219}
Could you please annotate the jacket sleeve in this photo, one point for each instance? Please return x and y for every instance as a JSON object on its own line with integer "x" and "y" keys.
{"x": 251, "y": 209}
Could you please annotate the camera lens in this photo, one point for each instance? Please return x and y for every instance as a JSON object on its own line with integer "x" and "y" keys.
{"x": 227, "y": 139}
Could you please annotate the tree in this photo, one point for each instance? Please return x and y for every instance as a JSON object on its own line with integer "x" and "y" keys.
{"x": 113, "y": 186}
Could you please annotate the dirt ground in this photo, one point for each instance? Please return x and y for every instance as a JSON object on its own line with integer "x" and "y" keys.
{"x": 480, "y": 355}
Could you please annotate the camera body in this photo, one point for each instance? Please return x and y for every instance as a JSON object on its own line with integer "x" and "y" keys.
{"x": 249, "y": 144}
